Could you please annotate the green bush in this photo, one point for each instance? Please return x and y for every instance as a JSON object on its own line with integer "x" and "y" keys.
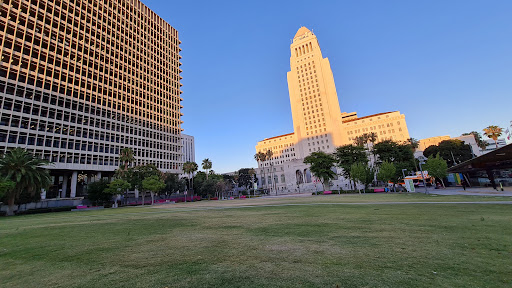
{"x": 96, "y": 193}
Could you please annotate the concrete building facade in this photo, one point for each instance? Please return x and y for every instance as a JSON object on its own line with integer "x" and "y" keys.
{"x": 387, "y": 126}
{"x": 81, "y": 80}
{"x": 189, "y": 148}
{"x": 467, "y": 139}
{"x": 318, "y": 123}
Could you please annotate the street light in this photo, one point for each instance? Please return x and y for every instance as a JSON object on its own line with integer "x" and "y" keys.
{"x": 422, "y": 161}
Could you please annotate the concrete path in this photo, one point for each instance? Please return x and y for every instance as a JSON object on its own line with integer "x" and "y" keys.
{"x": 479, "y": 191}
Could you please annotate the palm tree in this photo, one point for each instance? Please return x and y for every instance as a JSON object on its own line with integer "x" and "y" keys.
{"x": 365, "y": 138}
{"x": 359, "y": 141}
{"x": 372, "y": 137}
{"x": 207, "y": 165}
{"x": 26, "y": 172}
{"x": 478, "y": 138}
{"x": 126, "y": 158}
{"x": 493, "y": 132}
{"x": 269, "y": 154}
{"x": 251, "y": 174}
{"x": 261, "y": 157}
{"x": 189, "y": 168}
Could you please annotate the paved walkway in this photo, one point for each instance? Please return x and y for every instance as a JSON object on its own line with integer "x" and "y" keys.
{"x": 479, "y": 191}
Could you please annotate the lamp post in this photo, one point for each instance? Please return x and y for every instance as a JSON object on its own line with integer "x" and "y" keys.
{"x": 422, "y": 161}
{"x": 403, "y": 172}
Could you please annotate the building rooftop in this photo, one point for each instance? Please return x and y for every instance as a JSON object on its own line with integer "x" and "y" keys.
{"x": 302, "y": 30}
{"x": 369, "y": 116}
{"x": 277, "y": 137}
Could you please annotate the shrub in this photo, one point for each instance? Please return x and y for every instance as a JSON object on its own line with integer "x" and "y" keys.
{"x": 96, "y": 193}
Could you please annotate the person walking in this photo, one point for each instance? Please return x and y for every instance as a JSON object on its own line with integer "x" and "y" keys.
{"x": 463, "y": 182}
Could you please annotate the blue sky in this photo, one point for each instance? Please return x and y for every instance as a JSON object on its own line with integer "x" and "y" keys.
{"x": 446, "y": 65}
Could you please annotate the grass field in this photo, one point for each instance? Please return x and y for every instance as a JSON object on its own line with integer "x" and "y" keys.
{"x": 281, "y": 242}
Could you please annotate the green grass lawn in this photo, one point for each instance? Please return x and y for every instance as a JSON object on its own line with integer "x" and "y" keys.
{"x": 194, "y": 245}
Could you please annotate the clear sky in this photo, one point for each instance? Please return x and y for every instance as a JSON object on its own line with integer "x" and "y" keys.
{"x": 446, "y": 65}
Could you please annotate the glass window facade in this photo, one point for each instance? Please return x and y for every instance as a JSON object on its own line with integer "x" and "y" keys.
{"x": 82, "y": 79}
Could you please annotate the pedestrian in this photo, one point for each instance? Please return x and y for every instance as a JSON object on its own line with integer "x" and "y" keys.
{"x": 463, "y": 182}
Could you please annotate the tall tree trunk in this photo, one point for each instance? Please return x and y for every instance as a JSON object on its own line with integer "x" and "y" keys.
{"x": 152, "y": 198}
{"x": 265, "y": 178}
{"x": 10, "y": 203}
{"x": 143, "y": 196}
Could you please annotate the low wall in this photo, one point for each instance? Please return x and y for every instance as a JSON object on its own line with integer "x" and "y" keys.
{"x": 46, "y": 203}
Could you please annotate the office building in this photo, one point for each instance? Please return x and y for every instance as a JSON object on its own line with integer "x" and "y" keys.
{"x": 81, "y": 80}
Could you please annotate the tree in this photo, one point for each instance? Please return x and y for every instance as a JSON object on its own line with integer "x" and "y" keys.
{"x": 117, "y": 187}
{"x": 321, "y": 164}
{"x": 478, "y": 138}
{"x": 189, "y": 168}
{"x": 391, "y": 151}
{"x": 152, "y": 184}
{"x": 269, "y": 154}
{"x": 244, "y": 177}
{"x": 436, "y": 167}
{"x": 207, "y": 165}
{"x": 347, "y": 155}
{"x": 252, "y": 174}
{"x": 137, "y": 174}
{"x": 126, "y": 158}
{"x": 372, "y": 138}
{"x": 359, "y": 141}
{"x": 453, "y": 151}
{"x": 401, "y": 155}
{"x": 414, "y": 143}
{"x": 97, "y": 194}
{"x": 208, "y": 187}
{"x": 387, "y": 172}
{"x": 220, "y": 186}
{"x": 431, "y": 150}
{"x": 28, "y": 175}
{"x": 173, "y": 183}
{"x": 5, "y": 187}
{"x": 362, "y": 173}
{"x": 493, "y": 132}
{"x": 261, "y": 157}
